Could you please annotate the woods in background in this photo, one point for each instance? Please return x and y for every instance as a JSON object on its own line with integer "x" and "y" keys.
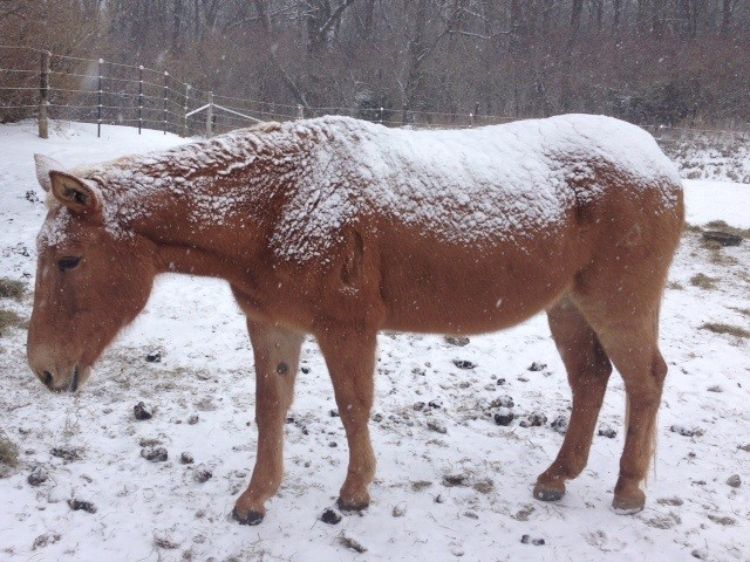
{"x": 648, "y": 61}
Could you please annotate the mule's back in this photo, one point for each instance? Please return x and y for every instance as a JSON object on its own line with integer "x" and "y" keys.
{"x": 462, "y": 187}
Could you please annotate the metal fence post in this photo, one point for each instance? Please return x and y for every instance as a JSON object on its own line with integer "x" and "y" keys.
{"x": 44, "y": 95}
{"x": 99, "y": 101}
{"x": 140, "y": 98}
{"x": 380, "y": 119}
{"x": 185, "y": 110}
{"x": 210, "y": 115}
{"x": 166, "y": 95}
{"x": 300, "y": 111}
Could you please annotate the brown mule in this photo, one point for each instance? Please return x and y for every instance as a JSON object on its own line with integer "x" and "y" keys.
{"x": 340, "y": 228}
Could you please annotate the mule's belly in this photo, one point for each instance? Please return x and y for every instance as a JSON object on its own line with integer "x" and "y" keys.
{"x": 439, "y": 288}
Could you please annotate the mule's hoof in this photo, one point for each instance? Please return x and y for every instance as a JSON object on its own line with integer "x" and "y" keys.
{"x": 630, "y": 504}
{"x": 352, "y": 506}
{"x": 548, "y": 495}
{"x": 549, "y": 491}
{"x": 250, "y": 518}
{"x": 626, "y": 510}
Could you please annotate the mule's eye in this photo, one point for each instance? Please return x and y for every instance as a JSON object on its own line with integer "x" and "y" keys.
{"x": 68, "y": 263}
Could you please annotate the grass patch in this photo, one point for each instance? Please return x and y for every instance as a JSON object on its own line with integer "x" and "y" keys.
{"x": 675, "y": 285}
{"x": 692, "y": 228}
{"x": 728, "y": 329}
{"x": 703, "y": 281}
{"x": 12, "y": 289}
{"x": 8, "y": 451}
{"x": 8, "y": 319}
{"x": 724, "y": 227}
{"x": 717, "y": 257}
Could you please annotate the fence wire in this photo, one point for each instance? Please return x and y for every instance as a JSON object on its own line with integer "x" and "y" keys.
{"x": 108, "y": 92}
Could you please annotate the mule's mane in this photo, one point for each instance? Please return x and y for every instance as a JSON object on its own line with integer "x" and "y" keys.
{"x": 187, "y": 161}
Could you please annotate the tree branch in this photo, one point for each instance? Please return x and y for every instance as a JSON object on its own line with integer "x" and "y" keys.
{"x": 335, "y": 16}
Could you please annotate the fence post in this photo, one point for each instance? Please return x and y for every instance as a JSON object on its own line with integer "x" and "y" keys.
{"x": 471, "y": 119}
{"x": 99, "y": 101}
{"x": 210, "y": 114}
{"x": 476, "y": 110}
{"x": 185, "y": 110}
{"x": 380, "y": 120}
{"x": 166, "y": 95}
{"x": 44, "y": 95}
{"x": 140, "y": 98}
{"x": 300, "y": 111}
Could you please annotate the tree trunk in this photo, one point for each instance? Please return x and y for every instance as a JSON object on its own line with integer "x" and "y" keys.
{"x": 415, "y": 56}
{"x": 566, "y": 96}
{"x": 616, "y": 14}
{"x": 177, "y": 25}
{"x": 726, "y": 16}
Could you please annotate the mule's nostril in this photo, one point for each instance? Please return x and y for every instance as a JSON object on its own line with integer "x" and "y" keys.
{"x": 47, "y": 378}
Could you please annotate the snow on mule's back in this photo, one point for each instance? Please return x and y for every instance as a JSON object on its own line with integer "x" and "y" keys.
{"x": 462, "y": 185}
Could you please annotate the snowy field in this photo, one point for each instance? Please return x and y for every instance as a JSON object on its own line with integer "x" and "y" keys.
{"x": 450, "y": 483}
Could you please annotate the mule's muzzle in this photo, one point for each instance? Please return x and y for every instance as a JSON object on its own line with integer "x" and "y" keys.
{"x": 58, "y": 383}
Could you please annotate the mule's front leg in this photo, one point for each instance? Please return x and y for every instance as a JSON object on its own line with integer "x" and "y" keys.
{"x": 276, "y": 352}
{"x": 350, "y": 356}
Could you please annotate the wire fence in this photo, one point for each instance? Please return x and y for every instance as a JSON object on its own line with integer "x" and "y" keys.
{"x": 52, "y": 86}
{"x": 38, "y": 83}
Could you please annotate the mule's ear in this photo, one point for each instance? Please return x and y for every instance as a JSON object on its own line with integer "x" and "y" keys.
{"x": 79, "y": 195}
{"x": 45, "y": 165}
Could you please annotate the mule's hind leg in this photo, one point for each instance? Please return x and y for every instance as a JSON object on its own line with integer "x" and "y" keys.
{"x": 633, "y": 348}
{"x": 588, "y": 372}
{"x": 276, "y": 351}
{"x": 350, "y": 356}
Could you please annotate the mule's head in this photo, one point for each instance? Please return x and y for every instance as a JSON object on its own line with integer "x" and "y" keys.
{"x": 91, "y": 281}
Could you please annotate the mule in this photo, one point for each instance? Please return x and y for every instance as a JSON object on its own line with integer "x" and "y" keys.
{"x": 340, "y": 228}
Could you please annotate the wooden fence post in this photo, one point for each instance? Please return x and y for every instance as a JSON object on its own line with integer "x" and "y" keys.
{"x": 44, "y": 95}
{"x": 210, "y": 115}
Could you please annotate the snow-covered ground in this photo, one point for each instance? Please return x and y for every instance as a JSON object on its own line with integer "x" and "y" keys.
{"x": 159, "y": 511}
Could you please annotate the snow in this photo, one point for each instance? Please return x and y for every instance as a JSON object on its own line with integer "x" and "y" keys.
{"x": 158, "y": 511}
{"x": 489, "y": 183}
{"x": 706, "y": 200}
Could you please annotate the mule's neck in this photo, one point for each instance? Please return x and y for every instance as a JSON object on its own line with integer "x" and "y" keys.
{"x": 208, "y": 207}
